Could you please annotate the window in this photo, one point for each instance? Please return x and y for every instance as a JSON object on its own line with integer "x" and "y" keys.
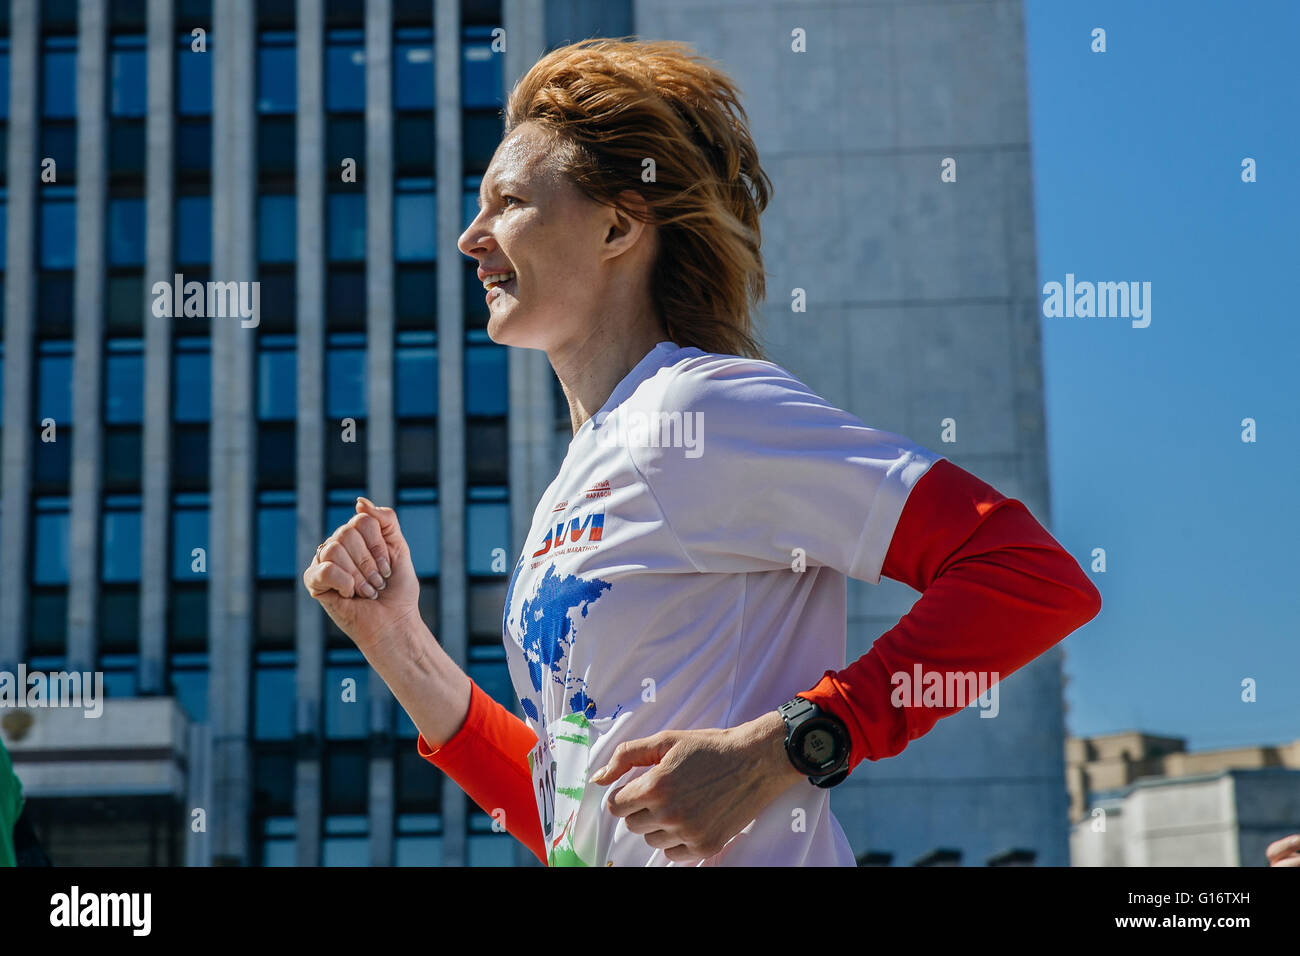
{"x": 481, "y": 81}
{"x": 126, "y": 232}
{"x": 486, "y": 847}
{"x": 277, "y": 378}
{"x": 486, "y": 386}
{"x": 276, "y": 535}
{"x": 415, "y": 221}
{"x": 277, "y": 73}
{"x": 346, "y": 701}
{"x": 124, "y": 382}
{"x": 345, "y": 376}
{"x": 345, "y": 72}
{"x": 129, "y": 66}
{"x": 193, "y": 230}
{"x": 193, "y": 76}
{"x": 58, "y": 228}
{"x": 189, "y": 534}
{"x": 487, "y": 521}
{"x": 277, "y": 229}
{"x": 191, "y": 383}
{"x": 418, "y": 508}
{"x": 50, "y": 541}
{"x": 413, "y": 78}
{"x": 346, "y": 227}
{"x": 274, "y": 695}
{"x": 120, "y": 540}
{"x": 416, "y": 388}
{"x": 188, "y": 683}
{"x": 54, "y": 384}
{"x": 59, "y": 76}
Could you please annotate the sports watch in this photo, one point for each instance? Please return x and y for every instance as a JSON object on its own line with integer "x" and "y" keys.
{"x": 816, "y": 742}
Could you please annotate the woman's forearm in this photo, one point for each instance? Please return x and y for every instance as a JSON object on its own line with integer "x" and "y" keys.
{"x": 424, "y": 679}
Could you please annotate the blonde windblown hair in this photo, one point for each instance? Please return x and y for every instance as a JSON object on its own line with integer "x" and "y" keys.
{"x": 611, "y": 104}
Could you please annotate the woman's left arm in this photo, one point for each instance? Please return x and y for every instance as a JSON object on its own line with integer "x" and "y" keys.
{"x": 997, "y": 590}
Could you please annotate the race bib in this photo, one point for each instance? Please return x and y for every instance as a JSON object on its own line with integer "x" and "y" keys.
{"x": 568, "y": 809}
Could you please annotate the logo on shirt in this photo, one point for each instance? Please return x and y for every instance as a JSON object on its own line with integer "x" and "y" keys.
{"x": 570, "y": 535}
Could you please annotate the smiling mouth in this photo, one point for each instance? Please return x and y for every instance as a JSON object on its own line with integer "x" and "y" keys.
{"x": 499, "y": 288}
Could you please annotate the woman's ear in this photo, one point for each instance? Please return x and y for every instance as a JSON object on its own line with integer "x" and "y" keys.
{"x": 625, "y": 229}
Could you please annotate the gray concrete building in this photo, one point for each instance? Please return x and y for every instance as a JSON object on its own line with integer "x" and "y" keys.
{"x": 1224, "y": 818}
{"x": 197, "y": 462}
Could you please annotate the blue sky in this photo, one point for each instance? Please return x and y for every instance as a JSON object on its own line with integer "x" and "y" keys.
{"x": 1137, "y": 165}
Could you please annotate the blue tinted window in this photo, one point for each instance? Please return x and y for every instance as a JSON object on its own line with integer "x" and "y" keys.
{"x": 345, "y": 378}
{"x": 54, "y": 388}
{"x": 124, "y": 388}
{"x": 345, "y": 72}
{"x": 59, "y": 67}
{"x": 277, "y": 538}
{"x": 193, "y": 80}
{"x": 126, "y": 232}
{"x": 420, "y": 528}
{"x": 189, "y": 531}
{"x": 277, "y": 384}
{"x": 341, "y": 507}
{"x": 487, "y": 527}
{"x": 485, "y": 380}
{"x": 190, "y": 686}
{"x": 470, "y": 212}
{"x": 191, "y": 382}
{"x": 193, "y": 230}
{"x": 130, "y": 67}
{"x": 58, "y": 234}
{"x": 346, "y": 708}
{"x": 413, "y": 70}
{"x": 417, "y": 381}
{"x": 277, "y": 225}
{"x": 347, "y": 227}
{"x": 274, "y": 697}
{"x": 51, "y": 540}
{"x": 120, "y": 547}
{"x": 277, "y": 78}
{"x": 4, "y": 228}
{"x": 415, "y": 227}
{"x": 480, "y": 75}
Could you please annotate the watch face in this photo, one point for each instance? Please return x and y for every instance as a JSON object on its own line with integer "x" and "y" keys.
{"x": 819, "y": 747}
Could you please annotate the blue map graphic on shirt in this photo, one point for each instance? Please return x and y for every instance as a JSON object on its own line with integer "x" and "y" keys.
{"x": 547, "y": 629}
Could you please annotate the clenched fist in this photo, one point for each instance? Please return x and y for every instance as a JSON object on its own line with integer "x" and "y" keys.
{"x": 363, "y": 576}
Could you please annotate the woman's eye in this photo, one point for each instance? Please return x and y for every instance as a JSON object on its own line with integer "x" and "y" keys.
{"x": 505, "y": 199}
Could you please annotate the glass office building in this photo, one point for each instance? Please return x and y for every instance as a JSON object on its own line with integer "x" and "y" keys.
{"x": 167, "y": 475}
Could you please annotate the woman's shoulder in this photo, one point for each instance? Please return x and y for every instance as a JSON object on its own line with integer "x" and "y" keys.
{"x": 699, "y": 380}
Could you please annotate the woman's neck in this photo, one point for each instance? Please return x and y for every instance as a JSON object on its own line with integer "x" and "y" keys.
{"x": 591, "y": 369}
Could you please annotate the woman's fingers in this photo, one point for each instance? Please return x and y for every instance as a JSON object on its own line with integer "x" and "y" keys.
{"x": 370, "y": 529}
{"x": 362, "y": 548}
{"x": 323, "y": 576}
{"x": 389, "y": 529}
{"x": 336, "y": 552}
{"x": 1283, "y": 848}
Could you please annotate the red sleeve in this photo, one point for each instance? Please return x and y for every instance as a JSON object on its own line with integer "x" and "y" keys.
{"x": 488, "y": 759}
{"x": 997, "y": 591}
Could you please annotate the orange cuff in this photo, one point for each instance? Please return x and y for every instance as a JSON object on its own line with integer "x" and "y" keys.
{"x": 488, "y": 759}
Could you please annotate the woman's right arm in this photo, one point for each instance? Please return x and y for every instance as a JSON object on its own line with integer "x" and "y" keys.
{"x": 463, "y": 731}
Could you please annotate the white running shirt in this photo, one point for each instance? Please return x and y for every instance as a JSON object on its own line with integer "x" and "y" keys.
{"x": 660, "y": 586}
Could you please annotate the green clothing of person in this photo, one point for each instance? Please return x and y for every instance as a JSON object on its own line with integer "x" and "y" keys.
{"x": 11, "y": 807}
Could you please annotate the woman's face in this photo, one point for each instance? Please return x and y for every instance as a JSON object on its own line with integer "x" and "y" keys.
{"x": 564, "y": 252}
